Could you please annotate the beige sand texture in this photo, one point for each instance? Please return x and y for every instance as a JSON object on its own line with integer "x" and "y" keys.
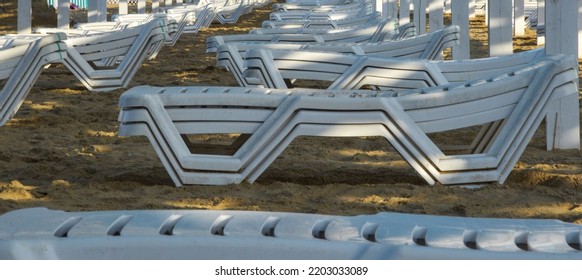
{"x": 61, "y": 151}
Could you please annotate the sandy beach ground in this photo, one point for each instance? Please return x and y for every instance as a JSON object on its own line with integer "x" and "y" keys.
{"x": 62, "y": 151}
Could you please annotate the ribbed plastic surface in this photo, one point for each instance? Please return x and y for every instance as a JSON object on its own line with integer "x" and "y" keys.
{"x": 39, "y": 233}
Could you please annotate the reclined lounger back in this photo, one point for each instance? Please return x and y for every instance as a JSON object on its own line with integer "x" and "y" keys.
{"x": 20, "y": 66}
{"x": 269, "y": 119}
{"x": 384, "y": 31}
{"x": 426, "y": 46}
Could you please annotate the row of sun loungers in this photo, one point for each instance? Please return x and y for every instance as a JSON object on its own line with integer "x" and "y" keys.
{"x": 104, "y": 60}
{"x": 103, "y": 56}
{"x": 509, "y": 105}
{"x": 267, "y": 122}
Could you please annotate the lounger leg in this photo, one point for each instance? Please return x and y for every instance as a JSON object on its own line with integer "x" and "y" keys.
{"x": 563, "y": 124}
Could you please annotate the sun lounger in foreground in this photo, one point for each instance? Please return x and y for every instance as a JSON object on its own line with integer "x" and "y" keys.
{"x": 38, "y": 233}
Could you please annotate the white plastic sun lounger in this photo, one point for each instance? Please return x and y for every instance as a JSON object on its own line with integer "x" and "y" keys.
{"x": 170, "y": 28}
{"x": 131, "y": 46}
{"x": 426, "y": 46}
{"x": 204, "y": 16}
{"x": 509, "y": 107}
{"x": 312, "y": 30}
{"x": 176, "y": 22}
{"x": 330, "y": 24}
{"x": 385, "y": 30}
{"x": 273, "y": 68}
{"x": 230, "y": 13}
{"x": 285, "y": 7}
{"x": 323, "y": 15}
{"x": 38, "y": 233}
{"x": 314, "y": 3}
{"x": 20, "y": 66}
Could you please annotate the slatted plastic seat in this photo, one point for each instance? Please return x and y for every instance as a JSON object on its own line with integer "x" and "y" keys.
{"x": 509, "y": 106}
{"x": 38, "y": 233}
{"x": 383, "y": 31}
{"x": 21, "y": 61}
{"x": 426, "y": 46}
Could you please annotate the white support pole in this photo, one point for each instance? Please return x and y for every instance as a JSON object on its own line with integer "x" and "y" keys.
{"x": 460, "y": 16}
{"x": 93, "y": 11}
{"x": 471, "y": 8}
{"x": 579, "y": 28}
{"x": 420, "y": 15}
{"x": 63, "y": 14}
{"x": 24, "y": 21}
{"x": 141, "y": 6}
{"x": 518, "y": 17}
{"x": 393, "y": 9}
{"x": 500, "y": 33}
{"x": 486, "y": 12}
{"x": 102, "y": 10}
{"x": 167, "y": 3}
{"x": 155, "y": 6}
{"x": 562, "y": 38}
{"x": 383, "y": 6}
{"x": 404, "y": 12}
{"x": 562, "y": 27}
{"x": 541, "y": 21}
{"x": 448, "y": 6}
{"x": 123, "y": 9}
{"x": 435, "y": 15}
